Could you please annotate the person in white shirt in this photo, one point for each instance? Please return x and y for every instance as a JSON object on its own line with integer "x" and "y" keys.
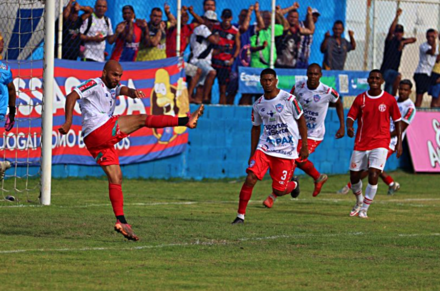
{"x": 102, "y": 130}
{"x": 408, "y": 111}
{"x": 95, "y": 30}
{"x": 427, "y": 59}
{"x": 276, "y": 149}
{"x": 202, "y": 42}
{"x": 315, "y": 98}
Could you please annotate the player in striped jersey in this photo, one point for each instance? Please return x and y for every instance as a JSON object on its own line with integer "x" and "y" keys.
{"x": 276, "y": 149}
{"x": 408, "y": 111}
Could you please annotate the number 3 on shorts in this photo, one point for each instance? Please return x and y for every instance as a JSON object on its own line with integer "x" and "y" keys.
{"x": 284, "y": 176}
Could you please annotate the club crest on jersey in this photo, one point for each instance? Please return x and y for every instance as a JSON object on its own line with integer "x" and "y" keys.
{"x": 382, "y": 107}
{"x": 316, "y": 98}
{"x": 279, "y": 108}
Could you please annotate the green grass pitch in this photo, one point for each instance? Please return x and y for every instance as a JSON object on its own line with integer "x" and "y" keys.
{"x": 187, "y": 242}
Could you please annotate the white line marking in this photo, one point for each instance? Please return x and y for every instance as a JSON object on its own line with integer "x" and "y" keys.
{"x": 203, "y": 243}
{"x": 393, "y": 201}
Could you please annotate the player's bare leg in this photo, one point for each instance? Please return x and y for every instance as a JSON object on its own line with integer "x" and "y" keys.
{"x": 347, "y": 187}
{"x": 356, "y": 187}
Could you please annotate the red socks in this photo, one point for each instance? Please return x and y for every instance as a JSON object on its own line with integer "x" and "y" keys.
{"x": 160, "y": 121}
{"x": 245, "y": 196}
{"x": 388, "y": 180}
{"x": 309, "y": 169}
{"x": 117, "y": 198}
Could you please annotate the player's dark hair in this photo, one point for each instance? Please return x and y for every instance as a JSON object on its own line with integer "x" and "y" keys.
{"x": 204, "y": 1}
{"x": 314, "y": 65}
{"x": 375, "y": 71}
{"x": 338, "y": 22}
{"x": 406, "y": 82}
{"x": 291, "y": 11}
{"x": 156, "y": 9}
{"x": 431, "y": 30}
{"x": 268, "y": 72}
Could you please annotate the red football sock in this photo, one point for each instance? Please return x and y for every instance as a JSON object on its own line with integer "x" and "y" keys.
{"x": 349, "y": 185}
{"x": 388, "y": 180}
{"x": 309, "y": 169}
{"x": 160, "y": 121}
{"x": 245, "y": 196}
{"x": 117, "y": 198}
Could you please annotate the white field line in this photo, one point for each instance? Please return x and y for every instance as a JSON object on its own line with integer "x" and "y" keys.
{"x": 204, "y": 243}
{"x": 391, "y": 201}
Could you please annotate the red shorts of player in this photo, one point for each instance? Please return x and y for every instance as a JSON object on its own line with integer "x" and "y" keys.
{"x": 311, "y": 146}
{"x": 101, "y": 142}
{"x": 281, "y": 170}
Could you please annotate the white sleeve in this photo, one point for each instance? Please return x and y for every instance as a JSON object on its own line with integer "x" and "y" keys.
{"x": 205, "y": 32}
{"x": 295, "y": 107}
{"x": 83, "y": 26}
{"x": 256, "y": 118}
{"x": 86, "y": 89}
{"x": 110, "y": 27}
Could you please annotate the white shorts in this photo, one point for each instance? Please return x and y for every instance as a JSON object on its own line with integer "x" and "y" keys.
{"x": 362, "y": 160}
{"x": 190, "y": 69}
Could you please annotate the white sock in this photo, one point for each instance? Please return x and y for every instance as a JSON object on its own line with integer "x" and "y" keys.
{"x": 357, "y": 191}
{"x": 239, "y": 215}
{"x": 370, "y": 192}
{"x": 392, "y": 184}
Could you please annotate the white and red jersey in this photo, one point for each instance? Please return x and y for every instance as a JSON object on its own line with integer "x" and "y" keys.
{"x": 373, "y": 114}
{"x": 278, "y": 116}
{"x": 408, "y": 111}
{"x": 315, "y": 105}
{"x": 97, "y": 103}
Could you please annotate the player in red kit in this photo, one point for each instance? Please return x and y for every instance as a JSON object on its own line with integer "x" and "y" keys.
{"x": 372, "y": 110}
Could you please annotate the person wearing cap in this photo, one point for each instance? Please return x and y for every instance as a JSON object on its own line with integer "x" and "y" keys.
{"x": 72, "y": 22}
{"x": 394, "y": 44}
{"x": 225, "y": 52}
{"x": 127, "y": 43}
{"x": 202, "y": 41}
{"x": 95, "y": 31}
{"x": 153, "y": 43}
{"x": 336, "y": 47}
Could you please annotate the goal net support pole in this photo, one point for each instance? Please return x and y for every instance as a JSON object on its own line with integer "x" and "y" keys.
{"x": 47, "y": 114}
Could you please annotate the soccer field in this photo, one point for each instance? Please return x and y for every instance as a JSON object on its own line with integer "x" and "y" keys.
{"x": 187, "y": 241}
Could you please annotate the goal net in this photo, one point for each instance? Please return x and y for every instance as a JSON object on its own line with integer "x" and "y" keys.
{"x": 22, "y": 29}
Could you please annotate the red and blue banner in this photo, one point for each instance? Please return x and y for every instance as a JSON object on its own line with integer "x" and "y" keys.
{"x": 161, "y": 80}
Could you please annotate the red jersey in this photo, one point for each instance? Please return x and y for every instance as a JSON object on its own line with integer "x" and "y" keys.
{"x": 125, "y": 51}
{"x": 171, "y": 46}
{"x": 226, "y": 45}
{"x": 373, "y": 114}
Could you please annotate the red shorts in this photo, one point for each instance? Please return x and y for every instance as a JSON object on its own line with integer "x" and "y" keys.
{"x": 311, "y": 146}
{"x": 281, "y": 170}
{"x": 101, "y": 142}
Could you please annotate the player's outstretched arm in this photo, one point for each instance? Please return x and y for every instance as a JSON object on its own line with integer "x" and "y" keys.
{"x": 132, "y": 93}
{"x": 304, "y": 151}
{"x": 70, "y": 104}
{"x": 340, "y": 111}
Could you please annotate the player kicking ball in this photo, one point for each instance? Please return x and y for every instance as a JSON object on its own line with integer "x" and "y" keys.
{"x": 102, "y": 130}
{"x": 315, "y": 98}
{"x": 276, "y": 149}
{"x": 373, "y": 110}
{"x": 408, "y": 111}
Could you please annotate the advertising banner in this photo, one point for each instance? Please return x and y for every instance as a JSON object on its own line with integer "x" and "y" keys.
{"x": 424, "y": 141}
{"x": 347, "y": 83}
{"x": 162, "y": 80}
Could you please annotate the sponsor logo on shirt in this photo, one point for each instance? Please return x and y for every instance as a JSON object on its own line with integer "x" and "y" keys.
{"x": 280, "y": 141}
{"x": 382, "y": 107}
{"x": 87, "y": 85}
{"x": 271, "y": 113}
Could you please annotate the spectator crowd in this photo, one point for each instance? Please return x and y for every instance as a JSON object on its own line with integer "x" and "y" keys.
{"x": 219, "y": 46}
